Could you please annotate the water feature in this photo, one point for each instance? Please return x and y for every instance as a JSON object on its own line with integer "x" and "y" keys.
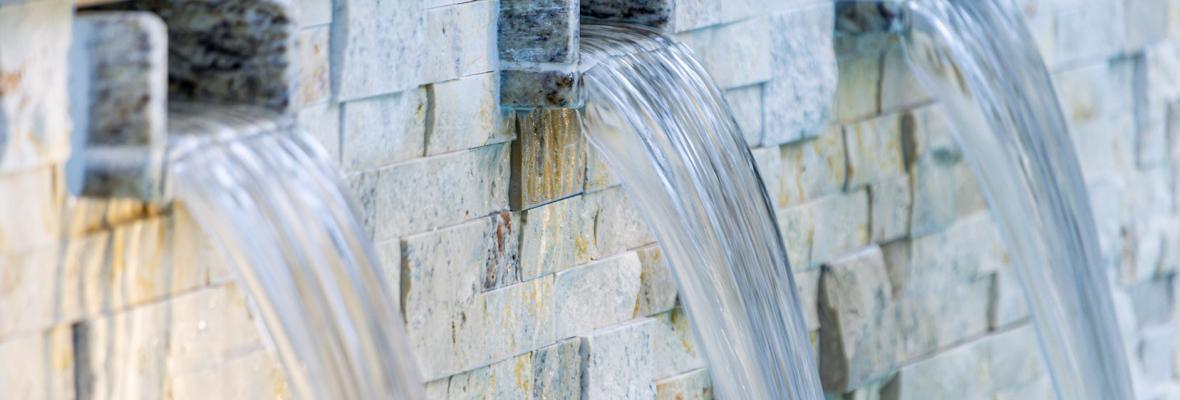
{"x": 978, "y": 59}
{"x": 662, "y": 125}
{"x": 667, "y": 133}
{"x": 277, "y": 211}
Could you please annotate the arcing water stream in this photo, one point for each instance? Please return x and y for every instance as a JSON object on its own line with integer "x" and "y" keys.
{"x": 277, "y": 211}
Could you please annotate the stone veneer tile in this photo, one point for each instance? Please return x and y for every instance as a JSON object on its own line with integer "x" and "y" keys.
{"x": 389, "y": 254}
{"x": 314, "y": 69}
{"x": 841, "y": 225}
{"x": 657, "y": 291}
{"x": 557, "y": 370}
{"x": 460, "y": 40}
{"x": 746, "y": 105}
{"x": 874, "y": 149}
{"x": 619, "y": 363}
{"x": 315, "y": 12}
{"x": 692, "y": 385}
{"x": 858, "y": 337}
{"x": 797, "y": 225}
{"x": 538, "y": 31}
{"x": 560, "y": 88}
{"x": 548, "y": 157}
{"x": 405, "y": 198}
{"x": 1003, "y": 362}
{"x": 900, "y": 88}
{"x": 655, "y": 13}
{"x": 40, "y": 366}
{"x": 674, "y": 349}
{"x": 374, "y": 47}
{"x": 322, "y": 122}
{"x": 1088, "y": 32}
{"x": 609, "y": 224}
{"x": 508, "y": 379}
{"x": 596, "y": 295}
{"x": 968, "y": 250}
{"x": 34, "y": 110}
{"x": 736, "y": 54}
{"x": 256, "y": 375}
{"x": 549, "y": 237}
{"x": 798, "y": 99}
{"x": 598, "y": 172}
{"x": 464, "y": 114}
{"x": 383, "y": 130}
{"x": 811, "y": 169}
{"x": 857, "y": 90}
{"x": 1009, "y": 305}
{"x": 889, "y": 207}
{"x": 34, "y": 217}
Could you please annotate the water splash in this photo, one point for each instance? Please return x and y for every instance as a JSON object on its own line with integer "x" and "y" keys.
{"x": 667, "y": 133}
{"x": 276, "y": 209}
{"x": 978, "y": 59}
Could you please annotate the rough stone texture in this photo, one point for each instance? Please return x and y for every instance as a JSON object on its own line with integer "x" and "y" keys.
{"x": 734, "y": 54}
{"x": 674, "y": 349}
{"x": 548, "y": 157}
{"x": 460, "y": 40}
{"x": 609, "y": 224}
{"x": 857, "y": 334}
{"x": 874, "y": 149}
{"x": 596, "y": 295}
{"x": 657, "y": 292}
{"x": 530, "y": 89}
{"x": 380, "y": 131}
{"x": 1002, "y": 362}
{"x": 40, "y": 366}
{"x": 811, "y": 169}
{"x": 507, "y": 379}
{"x": 375, "y": 47}
{"x": 655, "y": 13}
{"x": 543, "y": 31}
{"x": 803, "y": 67}
{"x": 34, "y": 117}
{"x": 889, "y": 207}
{"x": 619, "y": 362}
{"x": 464, "y": 114}
{"x": 231, "y": 51}
{"x": 557, "y": 370}
{"x": 841, "y": 225}
{"x": 315, "y": 80}
{"x": 747, "y": 104}
{"x": 694, "y": 385}
{"x": 549, "y": 237}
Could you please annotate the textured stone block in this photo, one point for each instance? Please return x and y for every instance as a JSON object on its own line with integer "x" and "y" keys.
{"x": 857, "y": 90}
{"x": 674, "y": 349}
{"x": 374, "y": 47}
{"x": 811, "y": 169}
{"x": 657, "y": 291}
{"x": 858, "y": 336}
{"x": 1153, "y": 302}
{"x": 930, "y": 323}
{"x": 596, "y": 295}
{"x": 655, "y": 13}
{"x": 543, "y": 31}
{"x": 34, "y": 103}
{"x": 315, "y": 79}
{"x": 619, "y": 362}
{"x": 461, "y": 41}
{"x": 841, "y": 225}
{"x": 258, "y": 39}
{"x": 322, "y": 122}
{"x": 936, "y": 164}
{"x": 807, "y": 288}
{"x": 1146, "y": 22}
{"x": 692, "y": 385}
{"x": 33, "y": 218}
{"x": 1098, "y": 102}
{"x": 968, "y": 250}
{"x": 736, "y": 54}
{"x": 404, "y": 198}
{"x": 746, "y": 105}
{"x": 40, "y": 366}
{"x": 889, "y": 207}
{"x": 315, "y": 12}
{"x": 549, "y": 237}
{"x": 1156, "y": 352}
{"x": 610, "y": 224}
{"x": 508, "y": 379}
{"x": 557, "y": 88}
{"x": 383, "y": 130}
{"x": 1087, "y": 32}
{"x": 557, "y": 370}
{"x": 798, "y": 99}
{"x": 900, "y": 88}
{"x": 548, "y": 157}
{"x": 1008, "y": 302}
{"x": 797, "y": 225}
{"x": 464, "y": 114}
{"x": 874, "y": 149}
{"x": 389, "y": 254}
{"x": 1000, "y": 362}
{"x": 598, "y": 172}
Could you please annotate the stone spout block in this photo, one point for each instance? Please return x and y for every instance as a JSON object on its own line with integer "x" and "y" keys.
{"x": 118, "y": 95}
{"x": 538, "y": 42}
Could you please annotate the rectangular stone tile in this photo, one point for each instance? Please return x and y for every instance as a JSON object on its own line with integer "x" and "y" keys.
{"x": 544, "y": 31}
{"x": 968, "y": 250}
{"x": 508, "y": 379}
{"x": 609, "y": 224}
{"x": 1089, "y": 32}
{"x": 1157, "y": 352}
{"x": 841, "y": 225}
{"x": 998, "y": 362}
{"x": 1146, "y": 22}
{"x": 557, "y": 370}
{"x": 874, "y": 149}
{"x": 464, "y": 113}
{"x": 746, "y": 105}
{"x": 1098, "y": 103}
{"x": 598, "y": 173}
{"x": 383, "y": 130}
{"x": 857, "y": 89}
{"x": 34, "y": 217}
{"x": 619, "y": 363}
{"x": 549, "y": 237}
{"x": 930, "y": 322}
{"x": 322, "y": 122}
{"x": 736, "y": 54}
{"x": 807, "y": 288}
{"x": 315, "y": 12}
{"x": 859, "y": 337}
{"x": 34, "y": 103}
{"x": 811, "y": 169}
{"x": 596, "y": 295}
{"x": 797, "y": 225}
{"x": 39, "y": 366}
{"x": 692, "y": 385}
{"x": 314, "y": 68}
{"x": 256, "y": 375}
{"x": 900, "y": 88}
{"x": 461, "y": 40}
{"x": 406, "y": 198}
{"x": 654, "y": 13}
{"x": 889, "y": 207}
{"x": 657, "y": 291}
{"x": 674, "y": 349}
{"x": 548, "y": 157}
{"x": 1009, "y": 305}
{"x": 799, "y": 98}
{"x": 374, "y": 47}
{"x": 389, "y": 254}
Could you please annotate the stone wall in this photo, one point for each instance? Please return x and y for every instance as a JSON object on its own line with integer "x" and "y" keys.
{"x": 525, "y": 272}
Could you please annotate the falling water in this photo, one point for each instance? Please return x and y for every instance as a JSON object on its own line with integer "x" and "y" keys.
{"x": 277, "y": 211}
{"x": 665, "y": 130}
{"x": 1016, "y": 139}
